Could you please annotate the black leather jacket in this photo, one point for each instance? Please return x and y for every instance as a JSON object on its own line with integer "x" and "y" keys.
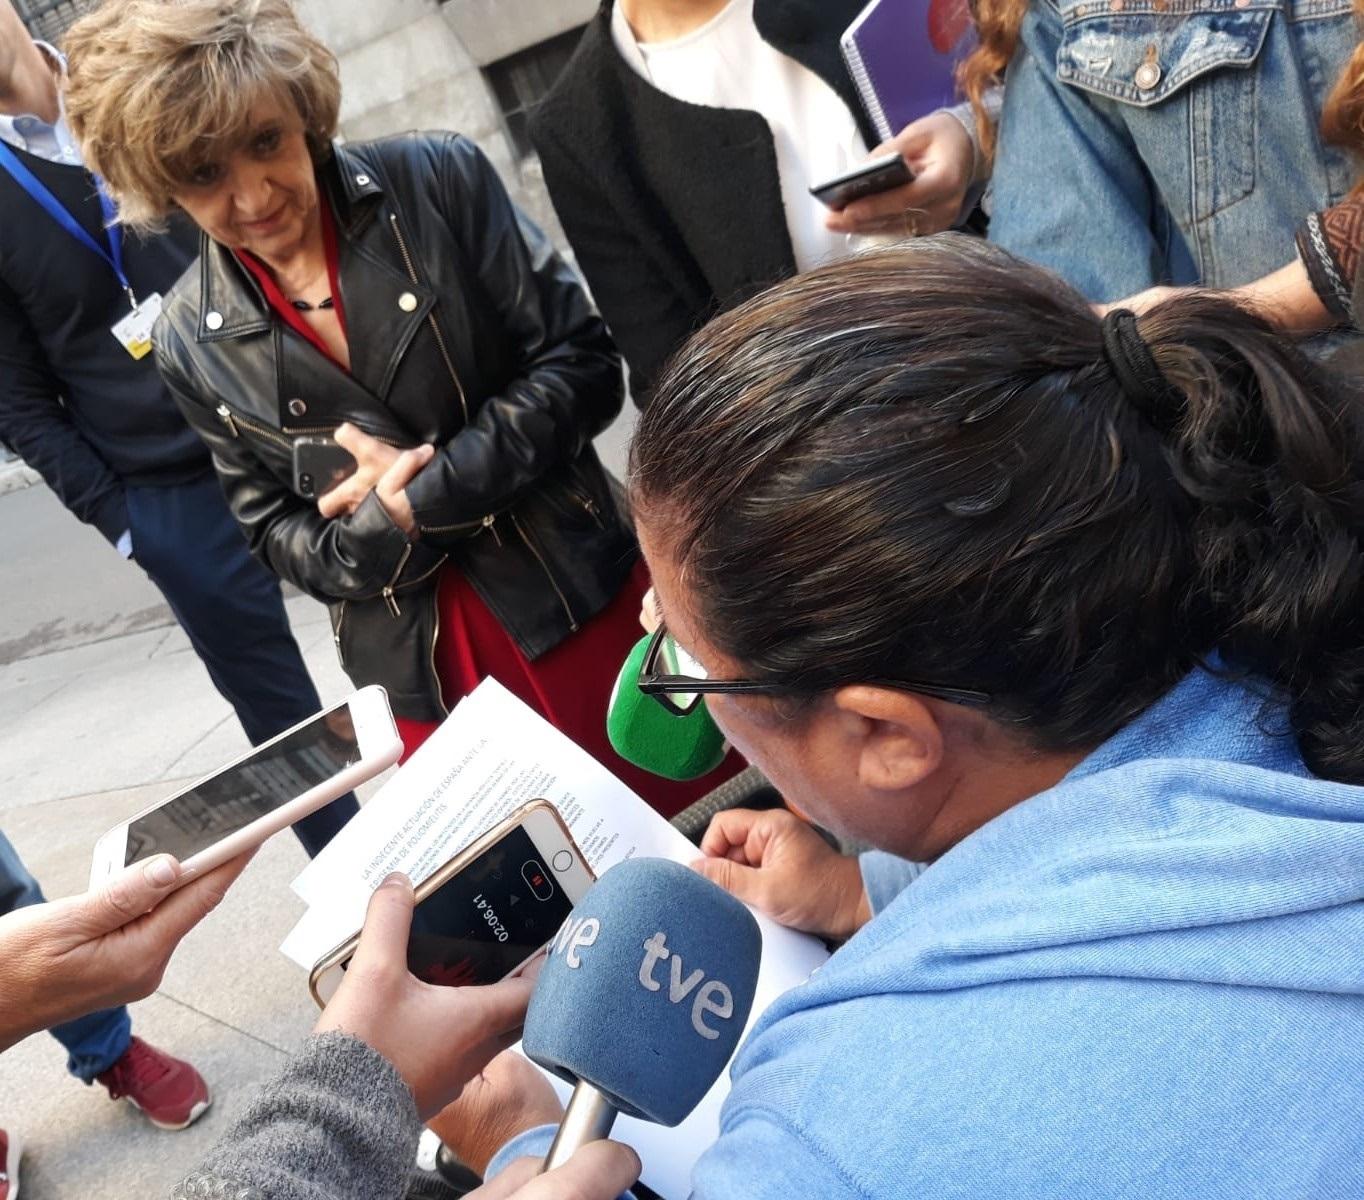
{"x": 467, "y": 331}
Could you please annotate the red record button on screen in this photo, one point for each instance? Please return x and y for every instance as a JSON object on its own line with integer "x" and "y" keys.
{"x": 536, "y": 879}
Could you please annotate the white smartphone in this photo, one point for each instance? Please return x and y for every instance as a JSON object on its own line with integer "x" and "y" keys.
{"x": 265, "y": 790}
{"x": 490, "y": 909}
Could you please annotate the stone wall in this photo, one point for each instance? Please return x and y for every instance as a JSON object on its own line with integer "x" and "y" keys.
{"x": 493, "y": 29}
{"x": 414, "y": 64}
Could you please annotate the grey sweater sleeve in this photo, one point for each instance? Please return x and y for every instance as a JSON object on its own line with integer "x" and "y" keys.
{"x": 338, "y": 1123}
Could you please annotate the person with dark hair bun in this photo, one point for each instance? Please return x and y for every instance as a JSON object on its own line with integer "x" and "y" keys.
{"x": 1062, "y": 615}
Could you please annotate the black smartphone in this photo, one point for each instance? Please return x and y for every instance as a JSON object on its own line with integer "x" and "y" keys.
{"x": 319, "y": 465}
{"x": 878, "y": 175}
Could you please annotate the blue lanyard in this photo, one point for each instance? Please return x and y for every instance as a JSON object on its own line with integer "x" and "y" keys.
{"x": 53, "y": 207}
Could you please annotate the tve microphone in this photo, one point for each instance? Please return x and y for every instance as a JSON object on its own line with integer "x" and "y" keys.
{"x": 643, "y": 998}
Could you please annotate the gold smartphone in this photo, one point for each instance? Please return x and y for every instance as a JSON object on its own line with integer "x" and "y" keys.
{"x": 490, "y": 909}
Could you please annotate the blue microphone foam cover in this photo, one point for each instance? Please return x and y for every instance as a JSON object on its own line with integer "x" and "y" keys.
{"x": 647, "y": 989}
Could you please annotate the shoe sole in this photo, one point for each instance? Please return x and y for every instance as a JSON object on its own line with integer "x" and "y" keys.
{"x": 15, "y": 1157}
{"x": 171, "y": 1127}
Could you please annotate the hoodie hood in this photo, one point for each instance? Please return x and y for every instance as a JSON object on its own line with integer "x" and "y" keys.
{"x": 1144, "y": 981}
{"x": 1194, "y": 846}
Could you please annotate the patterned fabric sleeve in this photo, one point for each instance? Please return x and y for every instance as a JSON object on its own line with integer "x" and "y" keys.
{"x": 1330, "y": 243}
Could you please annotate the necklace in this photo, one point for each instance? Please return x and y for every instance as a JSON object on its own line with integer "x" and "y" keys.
{"x": 304, "y": 306}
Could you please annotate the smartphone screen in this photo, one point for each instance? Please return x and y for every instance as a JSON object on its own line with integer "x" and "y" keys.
{"x": 487, "y": 920}
{"x": 254, "y": 787}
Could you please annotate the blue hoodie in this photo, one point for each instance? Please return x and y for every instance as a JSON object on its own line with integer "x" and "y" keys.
{"x": 1146, "y": 981}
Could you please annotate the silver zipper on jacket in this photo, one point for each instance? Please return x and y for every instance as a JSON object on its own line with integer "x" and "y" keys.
{"x": 587, "y": 504}
{"x": 431, "y": 316}
{"x": 236, "y": 423}
{"x": 489, "y": 523}
{"x": 393, "y": 587}
{"x": 435, "y": 637}
{"x": 387, "y": 593}
{"x": 544, "y": 566}
{"x": 455, "y": 528}
{"x": 336, "y": 631}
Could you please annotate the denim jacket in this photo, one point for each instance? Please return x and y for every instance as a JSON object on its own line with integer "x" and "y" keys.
{"x": 1167, "y": 141}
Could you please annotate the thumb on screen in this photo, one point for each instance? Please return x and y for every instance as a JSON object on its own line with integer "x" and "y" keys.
{"x": 388, "y": 921}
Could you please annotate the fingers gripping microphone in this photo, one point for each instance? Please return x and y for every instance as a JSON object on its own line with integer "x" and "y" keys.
{"x": 643, "y": 998}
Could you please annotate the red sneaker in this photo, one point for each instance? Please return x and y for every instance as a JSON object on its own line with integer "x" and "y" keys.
{"x": 170, "y": 1093}
{"x": 11, "y": 1151}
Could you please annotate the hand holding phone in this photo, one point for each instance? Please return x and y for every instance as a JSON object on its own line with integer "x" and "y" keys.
{"x": 487, "y": 911}
{"x": 942, "y": 157}
{"x": 320, "y": 465}
{"x": 437, "y": 1038}
{"x": 382, "y": 470}
{"x": 262, "y": 792}
{"x": 879, "y": 174}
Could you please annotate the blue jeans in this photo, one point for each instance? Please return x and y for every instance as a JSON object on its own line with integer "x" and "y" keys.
{"x": 230, "y": 606}
{"x": 94, "y": 1043}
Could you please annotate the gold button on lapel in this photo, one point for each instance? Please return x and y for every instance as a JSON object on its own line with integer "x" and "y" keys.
{"x": 1147, "y": 76}
{"x": 297, "y": 408}
{"x": 213, "y": 320}
{"x": 407, "y": 302}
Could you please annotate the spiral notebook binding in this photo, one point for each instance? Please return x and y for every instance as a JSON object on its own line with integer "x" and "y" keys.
{"x": 866, "y": 89}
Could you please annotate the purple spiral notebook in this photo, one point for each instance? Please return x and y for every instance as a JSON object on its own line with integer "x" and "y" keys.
{"x": 902, "y": 55}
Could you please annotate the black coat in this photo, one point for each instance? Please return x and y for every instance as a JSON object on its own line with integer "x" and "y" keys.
{"x": 674, "y": 209}
{"x": 77, "y": 407}
{"x": 466, "y": 331}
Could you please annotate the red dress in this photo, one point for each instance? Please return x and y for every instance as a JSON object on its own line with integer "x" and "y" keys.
{"x": 569, "y": 685}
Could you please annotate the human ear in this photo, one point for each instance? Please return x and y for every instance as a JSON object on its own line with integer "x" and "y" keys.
{"x": 899, "y": 740}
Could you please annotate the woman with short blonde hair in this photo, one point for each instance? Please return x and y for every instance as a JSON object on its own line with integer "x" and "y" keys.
{"x": 389, "y": 295}
{"x": 143, "y": 108}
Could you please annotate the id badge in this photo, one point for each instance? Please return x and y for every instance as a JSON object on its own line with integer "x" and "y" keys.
{"x": 134, "y": 332}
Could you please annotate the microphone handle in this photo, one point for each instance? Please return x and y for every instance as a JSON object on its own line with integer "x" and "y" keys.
{"x": 588, "y": 1118}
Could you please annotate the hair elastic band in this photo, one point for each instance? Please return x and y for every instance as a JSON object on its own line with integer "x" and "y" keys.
{"x": 1138, "y": 374}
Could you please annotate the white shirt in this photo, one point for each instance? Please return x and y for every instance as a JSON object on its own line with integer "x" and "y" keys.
{"x": 36, "y": 136}
{"x": 726, "y": 64}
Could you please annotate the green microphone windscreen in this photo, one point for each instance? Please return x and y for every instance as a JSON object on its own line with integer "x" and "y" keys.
{"x": 644, "y": 732}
